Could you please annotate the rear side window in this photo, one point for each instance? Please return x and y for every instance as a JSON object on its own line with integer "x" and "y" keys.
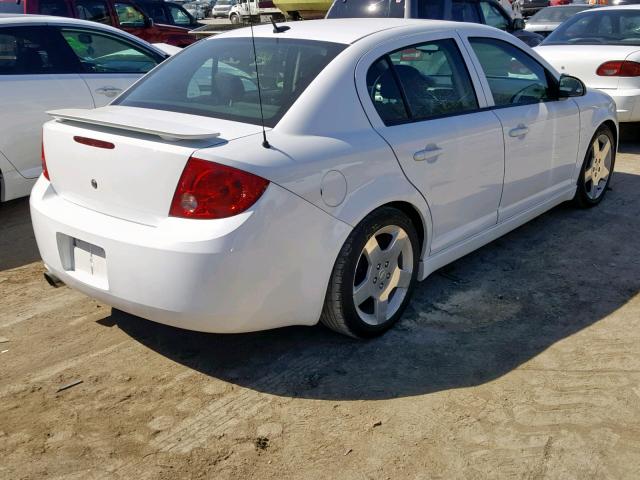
{"x": 385, "y": 93}
{"x": 93, "y": 10}
{"x": 31, "y": 51}
{"x": 57, "y": 8}
{"x": 217, "y": 78}
{"x": 367, "y": 8}
{"x": 432, "y": 81}
{"x": 104, "y": 53}
{"x": 514, "y": 77}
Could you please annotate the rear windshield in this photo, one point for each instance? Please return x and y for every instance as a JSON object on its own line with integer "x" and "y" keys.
{"x": 556, "y": 14}
{"x": 367, "y": 8}
{"x": 11, "y": 6}
{"x": 217, "y": 78}
{"x": 602, "y": 27}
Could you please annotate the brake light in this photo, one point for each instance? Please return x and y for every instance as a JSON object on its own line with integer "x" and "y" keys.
{"x": 93, "y": 142}
{"x": 619, "y": 68}
{"x": 208, "y": 190}
{"x": 45, "y": 172}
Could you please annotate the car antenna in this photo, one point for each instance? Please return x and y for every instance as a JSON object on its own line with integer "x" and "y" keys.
{"x": 277, "y": 29}
{"x": 265, "y": 142}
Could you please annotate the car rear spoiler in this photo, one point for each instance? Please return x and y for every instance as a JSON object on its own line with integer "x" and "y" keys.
{"x": 135, "y": 120}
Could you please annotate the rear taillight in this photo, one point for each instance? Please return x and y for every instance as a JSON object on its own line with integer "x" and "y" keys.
{"x": 208, "y": 190}
{"x": 619, "y": 68}
{"x": 45, "y": 172}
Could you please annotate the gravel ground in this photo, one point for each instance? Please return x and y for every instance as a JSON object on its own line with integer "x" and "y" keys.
{"x": 521, "y": 360}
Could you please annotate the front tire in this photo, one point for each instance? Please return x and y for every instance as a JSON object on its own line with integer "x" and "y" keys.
{"x": 597, "y": 169}
{"x": 374, "y": 275}
{"x": 235, "y": 19}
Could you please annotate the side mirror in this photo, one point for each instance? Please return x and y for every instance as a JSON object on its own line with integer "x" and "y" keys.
{"x": 148, "y": 22}
{"x": 517, "y": 24}
{"x": 571, "y": 87}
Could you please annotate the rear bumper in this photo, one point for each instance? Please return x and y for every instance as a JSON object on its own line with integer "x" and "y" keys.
{"x": 627, "y": 103}
{"x": 266, "y": 268}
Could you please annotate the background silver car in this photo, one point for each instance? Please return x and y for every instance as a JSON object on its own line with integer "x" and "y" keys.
{"x": 547, "y": 20}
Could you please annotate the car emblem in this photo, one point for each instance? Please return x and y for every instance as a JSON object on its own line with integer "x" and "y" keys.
{"x": 94, "y": 184}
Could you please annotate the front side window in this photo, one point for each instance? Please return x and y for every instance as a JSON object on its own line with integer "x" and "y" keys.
{"x": 129, "y": 16}
{"x": 217, "y": 78}
{"x": 93, "y": 10}
{"x": 31, "y": 51}
{"x": 103, "y": 53}
{"x": 493, "y": 16}
{"x": 179, "y": 15}
{"x": 514, "y": 77}
{"x": 367, "y": 8}
{"x": 432, "y": 81}
{"x": 465, "y": 11}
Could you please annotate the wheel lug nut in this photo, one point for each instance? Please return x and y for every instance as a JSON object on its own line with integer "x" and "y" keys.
{"x": 388, "y": 275}
{"x": 386, "y": 264}
{"x": 375, "y": 280}
{"x": 378, "y": 267}
{"x": 381, "y": 285}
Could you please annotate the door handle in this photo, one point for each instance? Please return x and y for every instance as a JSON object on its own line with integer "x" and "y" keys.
{"x": 109, "y": 91}
{"x": 429, "y": 152}
{"x": 520, "y": 131}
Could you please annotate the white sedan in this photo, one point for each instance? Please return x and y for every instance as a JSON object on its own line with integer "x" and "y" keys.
{"x": 55, "y": 62}
{"x": 388, "y": 152}
{"x": 602, "y": 48}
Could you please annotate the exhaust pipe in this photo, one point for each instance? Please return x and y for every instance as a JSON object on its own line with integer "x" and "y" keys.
{"x": 52, "y": 280}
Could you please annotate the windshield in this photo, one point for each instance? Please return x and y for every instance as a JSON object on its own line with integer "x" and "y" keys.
{"x": 217, "y": 78}
{"x": 602, "y": 27}
{"x": 556, "y": 14}
{"x": 366, "y": 8}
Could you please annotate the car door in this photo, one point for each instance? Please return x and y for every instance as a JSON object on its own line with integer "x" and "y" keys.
{"x": 110, "y": 63}
{"x": 35, "y": 76}
{"x": 541, "y": 132}
{"x": 422, "y": 99}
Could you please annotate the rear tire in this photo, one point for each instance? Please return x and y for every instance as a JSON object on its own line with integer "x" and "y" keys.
{"x": 597, "y": 169}
{"x": 374, "y": 275}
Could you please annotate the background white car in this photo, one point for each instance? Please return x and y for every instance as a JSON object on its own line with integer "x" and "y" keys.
{"x": 601, "y": 47}
{"x": 55, "y": 62}
{"x": 390, "y": 151}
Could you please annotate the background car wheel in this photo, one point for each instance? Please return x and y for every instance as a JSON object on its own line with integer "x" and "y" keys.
{"x": 597, "y": 169}
{"x": 374, "y": 275}
{"x": 235, "y": 19}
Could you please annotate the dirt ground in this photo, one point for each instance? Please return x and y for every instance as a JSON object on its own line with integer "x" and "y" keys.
{"x": 521, "y": 360}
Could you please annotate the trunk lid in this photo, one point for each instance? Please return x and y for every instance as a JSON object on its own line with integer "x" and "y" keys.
{"x": 137, "y": 177}
{"x": 582, "y": 61}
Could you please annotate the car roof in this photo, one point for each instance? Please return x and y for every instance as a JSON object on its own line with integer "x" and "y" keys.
{"x": 10, "y": 19}
{"x": 616, "y": 7}
{"x": 31, "y": 19}
{"x": 350, "y": 30}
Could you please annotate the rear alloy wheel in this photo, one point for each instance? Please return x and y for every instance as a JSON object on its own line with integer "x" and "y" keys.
{"x": 597, "y": 169}
{"x": 374, "y": 275}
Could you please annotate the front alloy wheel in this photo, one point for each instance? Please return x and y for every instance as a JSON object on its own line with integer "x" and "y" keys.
{"x": 374, "y": 275}
{"x": 597, "y": 169}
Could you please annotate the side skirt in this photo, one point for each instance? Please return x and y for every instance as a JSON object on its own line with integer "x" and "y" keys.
{"x": 432, "y": 263}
